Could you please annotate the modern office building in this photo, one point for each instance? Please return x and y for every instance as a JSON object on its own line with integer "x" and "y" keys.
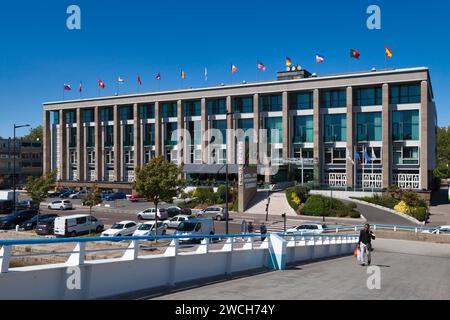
{"x": 315, "y": 126}
{"x": 29, "y": 159}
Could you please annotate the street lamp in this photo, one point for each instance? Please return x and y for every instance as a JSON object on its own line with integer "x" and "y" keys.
{"x": 14, "y": 162}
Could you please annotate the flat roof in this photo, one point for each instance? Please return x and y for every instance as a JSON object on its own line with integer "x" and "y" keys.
{"x": 335, "y": 76}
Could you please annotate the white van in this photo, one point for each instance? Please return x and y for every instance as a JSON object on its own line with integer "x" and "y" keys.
{"x": 198, "y": 226}
{"x": 72, "y": 226}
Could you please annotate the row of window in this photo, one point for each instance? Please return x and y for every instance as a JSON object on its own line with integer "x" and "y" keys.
{"x": 336, "y": 98}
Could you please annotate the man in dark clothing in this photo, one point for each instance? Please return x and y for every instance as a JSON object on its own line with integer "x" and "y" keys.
{"x": 250, "y": 228}
{"x": 365, "y": 244}
{"x": 263, "y": 230}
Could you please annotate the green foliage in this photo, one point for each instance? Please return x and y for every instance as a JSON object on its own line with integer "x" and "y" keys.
{"x": 93, "y": 198}
{"x": 35, "y": 134}
{"x": 294, "y": 194}
{"x": 206, "y": 195}
{"x": 443, "y": 152}
{"x": 412, "y": 199}
{"x": 221, "y": 193}
{"x": 419, "y": 213}
{"x": 38, "y": 188}
{"x": 159, "y": 181}
{"x": 323, "y": 206}
{"x": 381, "y": 200}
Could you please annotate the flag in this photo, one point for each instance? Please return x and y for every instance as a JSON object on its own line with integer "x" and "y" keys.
{"x": 349, "y": 157}
{"x": 183, "y": 74}
{"x": 357, "y": 157}
{"x": 388, "y": 52}
{"x": 120, "y": 80}
{"x": 158, "y": 76}
{"x": 101, "y": 84}
{"x": 234, "y": 69}
{"x": 206, "y": 74}
{"x": 67, "y": 87}
{"x": 139, "y": 80}
{"x": 367, "y": 158}
{"x": 354, "y": 54}
{"x": 261, "y": 66}
{"x": 80, "y": 87}
{"x": 374, "y": 156}
{"x": 319, "y": 58}
{"x": 288, "y": 62}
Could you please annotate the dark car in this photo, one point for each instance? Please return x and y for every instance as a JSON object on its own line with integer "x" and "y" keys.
{"x": 16, "y": 218}
{"x": 64, "y": 194}
{"x": 31, "y": 224}
{"x": 27, "y": 205}
{"x": 116, "y": 196}
{"x": 6, "y": 206}
{"x": 175, "y": 211}
{"x": 45, "y": 227}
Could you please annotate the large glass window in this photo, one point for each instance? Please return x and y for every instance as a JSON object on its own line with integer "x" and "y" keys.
{"x": 274, "y": 124}
{"x": 222, "y": 126}
{"x": 88, "y": 115}
{"x": 405, "y": 125}
{"x": 303, "y": 129}
{"x": 55, "y": 117}
{"x": 301, "y": 101}
{"x": 195, "y": 131}
{"x": 217, "y": 106}
{"x": 335, "y": 128}
{"x": 333, "y": 98}
{"x": 271, "y": 103}
{"x": 245, "y": 124}
{"x": 149, "y": 134}
{"x": 128, "y": 135}
{"x": 169, "y": 109}
{"x": 406, "y": 155}
{"x": 243, "y": 104}
{"x": 368, "y": 97}
{"x": 335, "y": 156}
{"x": 171, "y": 127}
{"x": 193, "y": 108}
{"x": 147, "y": 111}
{"x": 109, "y": 136}
{"x": 106, "y": 114}
{"x": 369, "y": 127}
{"x": 90, "y": 139}
{"x": 70, "y": 117}
{"x": 403, "y": 94}
{"x": 126, "y": 113}
{"x": 73, "y": 137}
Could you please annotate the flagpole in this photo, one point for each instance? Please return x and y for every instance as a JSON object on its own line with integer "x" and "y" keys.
{"x": 373, "y": 153}
{"x": 364, "y": 169}
{"x": 355, "y": 169}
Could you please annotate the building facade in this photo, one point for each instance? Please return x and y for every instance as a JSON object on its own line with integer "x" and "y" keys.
{"x": 365, "y": 130}
{"x": 29, "y": 161}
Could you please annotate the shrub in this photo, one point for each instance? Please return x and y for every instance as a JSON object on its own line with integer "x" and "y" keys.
{"x": 419, "y": 213}
{"x": 323, "y": 206}
{"x": 205, "y": 195}
{"x": 314, "y": 206}
{"x": 402, "y": 207}
{"x": 222, "y": 192}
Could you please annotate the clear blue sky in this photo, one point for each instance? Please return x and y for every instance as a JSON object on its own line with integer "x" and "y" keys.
{"x": 123, "y": 38}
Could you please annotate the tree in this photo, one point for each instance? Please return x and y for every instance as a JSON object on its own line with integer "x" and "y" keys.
{"x": 159, "y": 181}
{"x": 35, "y": 134}
{"x": 92, "y": 199}
{"x": 38, "y": 188}
{"x": 443, "y": 152}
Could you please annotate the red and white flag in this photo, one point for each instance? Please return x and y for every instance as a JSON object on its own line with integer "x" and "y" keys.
{"x": 158, "y": 76}
{"x": 234, "y": 69}
{"x": 67, "y": 87}
{"x": 101, "y": 84}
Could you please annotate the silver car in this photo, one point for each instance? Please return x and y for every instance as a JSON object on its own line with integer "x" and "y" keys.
{"x": 216, "y": 213}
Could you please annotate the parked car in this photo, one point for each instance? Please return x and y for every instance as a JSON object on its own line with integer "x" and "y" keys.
{"x": 440, "y": 230}
{"x": 313, "y": 228}
{"x": 174, "y": 222}
{"x": 148, "y": 229}
{"x": 116, "y": 196}
{"x": 15, "y": 218}
{"x": 75, "y": 225}
{"x": 216, "y": 213}
{"x": 121, "y": 229}
{"x": 66, "y": 193}
{"x": 6, "y": 206}
{"x": 106, "y": 193}
{"x": 31, "y": 224}
{"x": 79, "y": 195}
{"x": 60, "y": 205}
{"x": 27, "y": 205}
{"x": 136, "y": 198}
{"x": 175, "y": 211}
{"x": 197, "y": 226}
{"x": 45, "y": 227}
{"x": 149, "y": 214}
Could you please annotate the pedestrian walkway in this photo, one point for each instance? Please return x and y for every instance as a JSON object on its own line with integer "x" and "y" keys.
{"x": 278, "y": 204}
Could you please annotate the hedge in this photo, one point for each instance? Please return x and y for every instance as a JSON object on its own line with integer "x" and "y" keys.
{"x": 301, "y": 192}
{"x": 322, "y": 206}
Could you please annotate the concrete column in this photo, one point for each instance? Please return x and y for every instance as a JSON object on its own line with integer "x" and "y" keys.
{"x": 387, "y": 138}
{"x": 256, "y": 124}
{"x": 180, "y": 127}
{"x": 231, "y": 141}
{"x": 351, "y": 118}
{"x": 158, "y": 130}
{"x": 205, "y": 127}
{"x": 424, "y": 175}
{"x": 286, "y": 129}
{"x": 117, "y": 145}
{"x": 98, "y": 146}
{"x": 62, "y": 141}
{"x": 318, "y": 139}
{"x": 47, "y": 155}
{"x": 81, "y": 164}
{"x": 137, "y": 137}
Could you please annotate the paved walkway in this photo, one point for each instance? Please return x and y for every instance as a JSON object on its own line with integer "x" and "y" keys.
{"x": 440, "y": 209}
{"x": 421, "y": 273}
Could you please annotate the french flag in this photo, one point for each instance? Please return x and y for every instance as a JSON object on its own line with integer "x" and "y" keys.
{"x": 319, "y": 58}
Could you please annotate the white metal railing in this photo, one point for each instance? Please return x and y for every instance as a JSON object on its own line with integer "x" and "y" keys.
{"x": 337, "y": 180}
{"x": 370, "y": 181}
{"x": 407, "y": 181}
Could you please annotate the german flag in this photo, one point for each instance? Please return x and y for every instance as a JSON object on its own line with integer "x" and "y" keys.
{"x": 388, "y": 52}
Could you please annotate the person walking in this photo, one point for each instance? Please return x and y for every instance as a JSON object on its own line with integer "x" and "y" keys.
{"x": 244, "y": 227}
{"x": 365, "y": 245}
{"x": 250, "y": 228}
{"x": 263, "y": 229}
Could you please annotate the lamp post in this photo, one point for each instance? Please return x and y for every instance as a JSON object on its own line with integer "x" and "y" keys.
{"x": 14, "y": 162}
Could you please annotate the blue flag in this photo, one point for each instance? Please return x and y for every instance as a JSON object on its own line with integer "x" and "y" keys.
{"x": 357, "y": 157}
{"x": 367, "y": 158}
